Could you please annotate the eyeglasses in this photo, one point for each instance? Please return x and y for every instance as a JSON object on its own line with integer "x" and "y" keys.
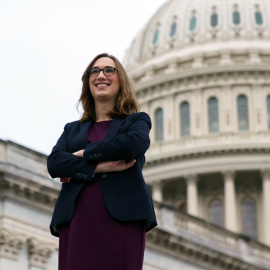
{"x": 107, "y": 71}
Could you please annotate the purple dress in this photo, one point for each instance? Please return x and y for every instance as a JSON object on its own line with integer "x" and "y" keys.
{"x": 94, "y": 240}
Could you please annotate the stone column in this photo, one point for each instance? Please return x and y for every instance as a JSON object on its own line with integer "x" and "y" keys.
{"x": 192, "y": 195}
{"x": 230, "y": 201}
{"x": 266, "y": 202}
{"x": 157, "y": 192}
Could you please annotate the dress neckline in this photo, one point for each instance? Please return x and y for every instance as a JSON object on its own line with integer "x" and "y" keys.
{"x": 104, "y": 121}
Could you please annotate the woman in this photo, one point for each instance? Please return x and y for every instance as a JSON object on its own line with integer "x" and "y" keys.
{"x": 104, "y": 207}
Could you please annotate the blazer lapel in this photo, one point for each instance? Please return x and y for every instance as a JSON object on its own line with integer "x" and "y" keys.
{"x": 114, "y": 126}
{"x": 83, "y": 137}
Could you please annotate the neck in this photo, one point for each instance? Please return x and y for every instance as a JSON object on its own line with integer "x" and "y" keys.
{"x": 102, "y": 110}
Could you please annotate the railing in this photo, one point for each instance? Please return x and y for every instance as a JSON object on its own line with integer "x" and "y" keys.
{"x": 200, "y": 231}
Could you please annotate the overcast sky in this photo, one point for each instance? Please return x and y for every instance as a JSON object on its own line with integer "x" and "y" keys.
{"x": 44, "y": 48}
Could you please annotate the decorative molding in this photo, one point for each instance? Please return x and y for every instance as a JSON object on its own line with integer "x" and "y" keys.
{"x": 27, "y": 194}
{"x": 39, "y": 252}
{"x": 152, "y": 161}
{"x": 10, "y": 244}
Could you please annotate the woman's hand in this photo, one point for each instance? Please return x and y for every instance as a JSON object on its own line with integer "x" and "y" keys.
{"x": 113, "y": 166}
{"x": 65, "y": 179}
{"x": 79, "y": 153}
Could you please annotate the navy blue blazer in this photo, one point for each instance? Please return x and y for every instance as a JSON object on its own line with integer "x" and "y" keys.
{"x": 125, "y": 193}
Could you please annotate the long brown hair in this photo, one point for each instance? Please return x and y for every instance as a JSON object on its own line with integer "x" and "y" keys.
{"x": 125, "y": 100}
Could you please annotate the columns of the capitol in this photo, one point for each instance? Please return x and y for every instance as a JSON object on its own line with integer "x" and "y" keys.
{"x": 157, "y": 192}
{"x": 192, "y": 195}
{"x": 266, "y": 200}
{"x": 230, "y": 201}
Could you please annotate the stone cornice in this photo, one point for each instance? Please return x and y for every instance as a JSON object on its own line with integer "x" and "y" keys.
{"x": 193, "y": 79}
{"x": 27, "y": 192}
{"x": 159, "y": 159}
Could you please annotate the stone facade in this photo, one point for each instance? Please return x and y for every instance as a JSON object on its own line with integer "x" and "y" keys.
{"x": 27, "y": 198}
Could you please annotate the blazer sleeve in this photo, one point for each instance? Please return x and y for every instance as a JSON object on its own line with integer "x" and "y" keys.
{"x": 126, "y": 146}
{"x": 61, "y": 163}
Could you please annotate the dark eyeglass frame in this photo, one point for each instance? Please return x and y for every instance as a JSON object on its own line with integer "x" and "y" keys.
{"x": 89, "y": 71}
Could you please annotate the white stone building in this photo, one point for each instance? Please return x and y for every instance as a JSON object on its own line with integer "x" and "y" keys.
{"x": 202, "y": 71}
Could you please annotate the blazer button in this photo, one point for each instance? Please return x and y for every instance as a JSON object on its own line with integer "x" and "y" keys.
{"x": 98, "y": 155}
{"x": 90, "y": 157}
{"x": 94, "y": 156}
{"x": 104, "y": 175}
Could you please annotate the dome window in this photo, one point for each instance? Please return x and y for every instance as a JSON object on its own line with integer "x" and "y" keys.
{"x": 155, "y": 37}
{"x": 159, "y": 125}
{"x": 258, "y": 18}
{"x": 214, "y": 20}
{"x": 185, "y": 119}
{"x": 173, "y": 29}
{"x": 216, "y": 213}
{"x": 213, "y": 116}
{"x": 268, "y": 110}
{"x": 249, "y": 217}
{"x": 236, "y": 18}
{"x": 192, "y": 23}
{"x": 242, "y": 109}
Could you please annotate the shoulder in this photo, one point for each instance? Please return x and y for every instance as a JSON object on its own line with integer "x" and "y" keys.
{"x": 71, "y": 125}
{"x": 140, "y": 116}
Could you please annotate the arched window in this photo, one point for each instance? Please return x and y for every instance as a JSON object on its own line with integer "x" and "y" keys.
{"x": 242, "y": 108}
{"x": 155, "y": 37}
{"x": 258, "y": 18}
{"x": 236, "y": 18}
{"x": 214, "y": 19}
{"x": 159, "y": 124}
{"x": 216, "y": 213}
{"x": 249, "y": 217}
{"x": 213, "y": 116}
{"x": 192, "y": 23}
{"x": 173, "y": 29}
{"x": 268, "y": 110}
{"x": 185, "y": 119}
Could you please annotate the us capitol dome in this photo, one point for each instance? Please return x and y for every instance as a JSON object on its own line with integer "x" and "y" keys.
{"x": 201, "y": 70}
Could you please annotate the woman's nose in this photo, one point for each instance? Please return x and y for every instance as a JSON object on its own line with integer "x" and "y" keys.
{"x": 101, "y": 74}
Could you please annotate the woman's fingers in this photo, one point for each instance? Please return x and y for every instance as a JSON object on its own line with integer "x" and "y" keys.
{"x": 113, "y": 166}
{"x": 122, "y": 165}
{"x": 79, "y": 153}
{"x": 65, "y": 179}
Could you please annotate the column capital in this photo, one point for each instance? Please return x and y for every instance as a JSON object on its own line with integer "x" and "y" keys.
{"x": 228, "y": 174}
{"x": 39, "y": 252}
{"x": 11, "y": 243}
{"x": 265, "y": 174}
{"x": 191, "y": 177}
{"x": 157, "y": 183}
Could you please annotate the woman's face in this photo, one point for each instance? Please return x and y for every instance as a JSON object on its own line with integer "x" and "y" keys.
{"x": 104, "y": 88}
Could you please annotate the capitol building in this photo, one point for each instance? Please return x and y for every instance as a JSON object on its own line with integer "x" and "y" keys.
{"x": 201, "y": 70}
